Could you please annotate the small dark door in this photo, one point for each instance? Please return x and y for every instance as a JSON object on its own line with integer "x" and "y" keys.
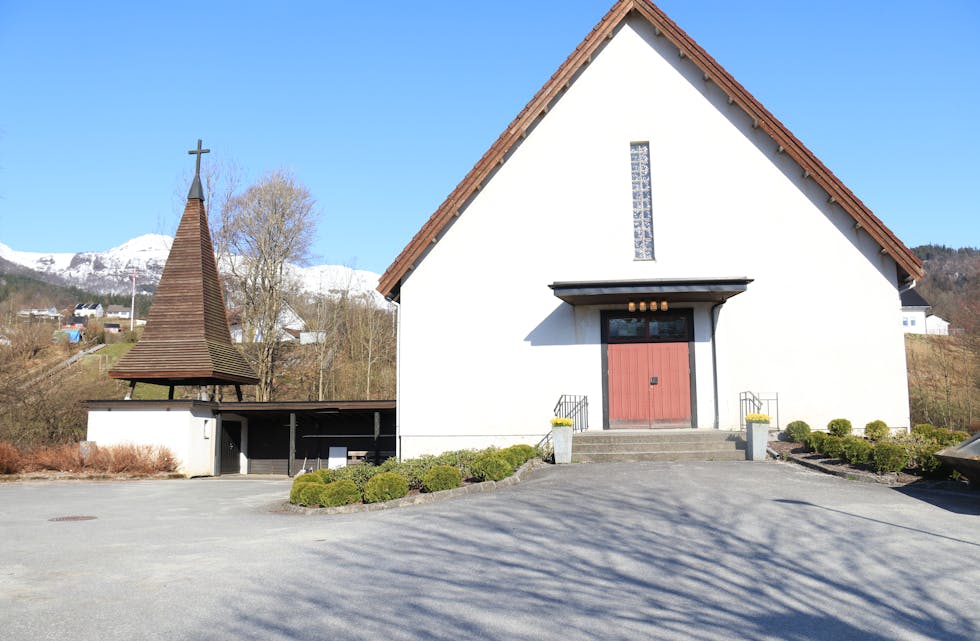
{"x": 231, "y": 447}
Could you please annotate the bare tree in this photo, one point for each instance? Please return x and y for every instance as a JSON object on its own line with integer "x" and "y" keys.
{"x": 266, "y": 228}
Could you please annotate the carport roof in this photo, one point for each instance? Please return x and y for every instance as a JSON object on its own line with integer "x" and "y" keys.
{"x": 674, "y": 290}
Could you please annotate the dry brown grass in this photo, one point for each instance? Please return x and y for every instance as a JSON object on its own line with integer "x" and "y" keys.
{"x": 11, "y": 460}
{"x": 125, "y": 458}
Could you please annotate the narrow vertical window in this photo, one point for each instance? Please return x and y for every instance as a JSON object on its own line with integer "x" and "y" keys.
{"x": 642, "y": 205}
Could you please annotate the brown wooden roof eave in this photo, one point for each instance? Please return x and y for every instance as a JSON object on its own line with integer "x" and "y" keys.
{"x": 907, "y": 261}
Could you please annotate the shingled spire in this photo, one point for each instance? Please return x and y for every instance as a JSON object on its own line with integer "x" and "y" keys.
{"x": 186, "y": 339}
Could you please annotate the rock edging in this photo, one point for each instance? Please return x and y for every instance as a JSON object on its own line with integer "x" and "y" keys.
{"x": 423, "y": 498}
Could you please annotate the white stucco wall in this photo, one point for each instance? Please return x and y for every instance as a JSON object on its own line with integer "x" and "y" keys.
{"x": 485, "y": 347}
{"x": 188, "y": 433}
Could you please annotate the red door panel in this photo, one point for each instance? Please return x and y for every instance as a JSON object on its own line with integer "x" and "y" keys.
{"x": 633, "y": 401}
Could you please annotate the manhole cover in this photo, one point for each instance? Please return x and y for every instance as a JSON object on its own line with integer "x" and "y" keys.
{"x": 73, "y": 518}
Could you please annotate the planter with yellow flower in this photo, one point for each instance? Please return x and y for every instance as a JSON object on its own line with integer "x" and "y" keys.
{"x": 561, "y": 438}
{"x": 757, "y": 436}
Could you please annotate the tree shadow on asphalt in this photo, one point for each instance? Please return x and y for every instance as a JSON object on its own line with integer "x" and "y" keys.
{"x": 961, "y": 500}
{"x": 559, "y": 558}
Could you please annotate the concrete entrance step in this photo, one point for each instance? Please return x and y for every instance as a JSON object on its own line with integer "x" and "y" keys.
{"x": 632, "y": 457}
{"x": 663, "y": 446}
{"x": 658, "y": 445}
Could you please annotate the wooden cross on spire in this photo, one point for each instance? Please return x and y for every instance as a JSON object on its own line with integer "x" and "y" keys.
{"x": 198, "y": 152}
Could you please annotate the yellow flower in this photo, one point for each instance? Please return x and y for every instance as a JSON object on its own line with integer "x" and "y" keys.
{"x": 757, "y": 418}
{"x": 561, "y": 421}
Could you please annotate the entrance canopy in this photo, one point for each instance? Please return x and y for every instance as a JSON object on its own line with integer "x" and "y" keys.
{"x": 675, "y": 290}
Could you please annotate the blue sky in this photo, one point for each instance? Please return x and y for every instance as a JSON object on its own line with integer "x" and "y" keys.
{"x": 381, "y": 108}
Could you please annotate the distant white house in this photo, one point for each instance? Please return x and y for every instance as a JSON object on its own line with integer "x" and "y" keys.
{"x": 40, "y": 312}
{"x": 118, "y": 311}
{"x": 89, "y": 310}
{"x": 289, "y": 327}
{"x": 916, "y": 318}
{"x": 937, "y": 325}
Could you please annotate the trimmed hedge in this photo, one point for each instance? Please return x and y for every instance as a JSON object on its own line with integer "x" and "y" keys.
{"x": 339, "y": 493}
{"x": 857, "y": 451}
{"x": 814, "y": 441}
{"x": 308, "y": 494}
{"x": 491, "y": 467}
{"x": 889, "y": 457}
{"x": 876, "y": 430}
{"x": 797, "y": 431}
{"x": 833, "y": 447}
{"x": 385, "y": 487}
{"x": 839, "y": 427}
{"x": 442, "y": 477}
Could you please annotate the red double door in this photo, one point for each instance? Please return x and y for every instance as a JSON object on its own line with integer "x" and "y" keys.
{"x": 649, "y": 385}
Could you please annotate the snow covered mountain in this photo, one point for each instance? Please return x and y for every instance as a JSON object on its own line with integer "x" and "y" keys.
{"x": 111, "y": 271}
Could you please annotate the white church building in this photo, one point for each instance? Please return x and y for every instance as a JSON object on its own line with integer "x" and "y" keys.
{"x": 646, "y": 235}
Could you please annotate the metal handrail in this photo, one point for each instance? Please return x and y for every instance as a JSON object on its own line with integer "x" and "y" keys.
{"x": 753, "y": 402}
{"x": 576, "y": 408}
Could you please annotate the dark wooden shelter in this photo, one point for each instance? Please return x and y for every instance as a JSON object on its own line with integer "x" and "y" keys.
{"x": 186, "y": 340}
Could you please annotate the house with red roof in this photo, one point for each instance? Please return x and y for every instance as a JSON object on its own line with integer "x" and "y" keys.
{"x": 647, "y": 245}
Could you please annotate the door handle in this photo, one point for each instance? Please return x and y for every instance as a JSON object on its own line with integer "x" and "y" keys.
{"x": 654, "y": 380}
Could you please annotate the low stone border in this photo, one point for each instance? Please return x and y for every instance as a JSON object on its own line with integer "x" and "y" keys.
{"x": 422, "y": 498}
{"x": 890, "y": 478}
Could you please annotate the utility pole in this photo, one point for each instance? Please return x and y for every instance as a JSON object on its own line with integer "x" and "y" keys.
{"x": 132, "y": 304}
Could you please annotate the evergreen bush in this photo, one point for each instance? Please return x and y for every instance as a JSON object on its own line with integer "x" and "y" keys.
{"x": 833, "y": 447}
{"x": 385, "y": 486}
{"x": 876, "y": 430}
{"x": 814, "y": 440}
{"x": 442, "y": 477}
{"x": 524, "y": 453}
{"x": 797, "y": 431}
{"x": 308, "y": 494}
{"x": 889, "y": 457}
{"x": 857, "y": 451}
{"x": 326, "y": 475}
{"x": 491, "y": 467}
{"x": 922, "y": 429}
{"x": 839, "y": 427}
{"x": 339, "y": 493}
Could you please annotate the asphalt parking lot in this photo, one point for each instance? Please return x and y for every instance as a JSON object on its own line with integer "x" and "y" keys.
{"x": 613, "y": 551}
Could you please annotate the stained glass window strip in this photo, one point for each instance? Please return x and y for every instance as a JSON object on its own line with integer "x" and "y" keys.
{"x": 642, "y": 201}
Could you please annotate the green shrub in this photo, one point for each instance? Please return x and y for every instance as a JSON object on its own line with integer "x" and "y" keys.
{"x": 833, "y": 447}
{"x": 491, "y": 467}
{"x": 516, "y": 458}
{"x": 924, "y": 458}
{"x": 442, "y": 477}
{"x": 876, "y": 430}
{"x": 308, "y": 494}
{"x": 300, "y": 482}
{"x": 923, "y": 429}
{"x": 412, "y": 470}
{"x": 814, "y": 440}
{"x": 339, "y": 493}
{"x": 385, "y": 487}
{"x": 889, "y": 457}
{"x": 326, "y": 475}
{"x": 796, "y": 431}
{"x": 839, "y": 427}
{"x": 360, "y": 473}
{"x": 857, "y": 451}
{"x": 522, "y": 453}
{"x": 460, "y": 459}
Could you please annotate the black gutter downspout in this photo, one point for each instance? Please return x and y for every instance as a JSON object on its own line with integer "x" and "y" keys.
{"x": 714, "y": 359}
